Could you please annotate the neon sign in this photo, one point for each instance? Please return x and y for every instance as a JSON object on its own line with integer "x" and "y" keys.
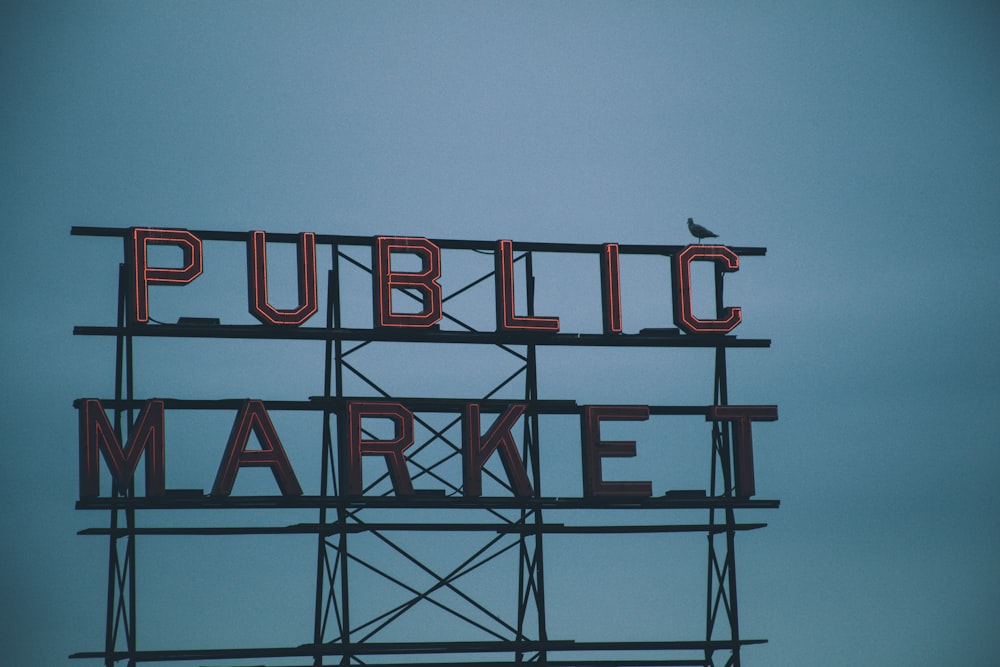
{"x": 143, "y": 275}
{"x": 257, "y": 299}
{"x": 387, "y": 282}
{"x": 97, "y": 437}
{"x": 480, "y": 442}
{"x": 385, "y": 463}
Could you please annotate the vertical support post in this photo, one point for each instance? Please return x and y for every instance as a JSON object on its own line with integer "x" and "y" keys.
{"x": 110, "y": 636}
{"x": 342, "y": 560}
{"x": 121, "y": 596}
{"x": 531, "y": 576}
{"x": 319, "y": 624}
{"x": 130, "y": 511}
{"x": 340, "y": 566}
{"x": 329, "y": 570}
{"x": 722, "y": 568}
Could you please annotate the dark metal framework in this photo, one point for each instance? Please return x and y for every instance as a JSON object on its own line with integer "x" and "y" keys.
{"x": 509, "y": 526}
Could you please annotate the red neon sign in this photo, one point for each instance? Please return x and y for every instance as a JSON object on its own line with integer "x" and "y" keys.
{"x": 727, "y": 261}
{"x": 146, "y": 437}
{"x": 477, "y": 449}
{"x": 595, "y": 449}
{"x": 253, "y": 418}
{"x": 97, "y": 435}
{"x": 260, "y": 306}
{"x": 144, "y": 275}
{"x": 506, "y": 319}
{"x": 388, "y": 283}
{"x": 611, "y": 289}
{"x": 392, "y": 449}
{"x": 741, "y": 416}
{"x": 385, "y": 280}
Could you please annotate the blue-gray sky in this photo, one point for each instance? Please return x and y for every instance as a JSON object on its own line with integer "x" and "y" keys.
{"x": 858, "y": 142}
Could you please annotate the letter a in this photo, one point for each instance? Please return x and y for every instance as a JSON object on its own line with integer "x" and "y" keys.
{"x": 253, "y": 417}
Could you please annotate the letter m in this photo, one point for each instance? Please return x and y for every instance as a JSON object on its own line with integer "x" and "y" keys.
{"x": 97, "y": 435}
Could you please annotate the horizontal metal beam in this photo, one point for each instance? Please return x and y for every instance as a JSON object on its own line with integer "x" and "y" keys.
{"x": 448, "y": 244}
{"x": 416, "y": 404}
{"x": 412, "y": 335}
{"x": 513, "y": 528}
{"x": 415, "y": 648}
{"x": 194, "y": 499}
{"x": 549, "y": 663}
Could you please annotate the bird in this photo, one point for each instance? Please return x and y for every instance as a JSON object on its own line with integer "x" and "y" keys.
{"x": 699, "y": 232}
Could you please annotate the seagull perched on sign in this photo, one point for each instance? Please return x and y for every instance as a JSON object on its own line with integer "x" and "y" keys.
{"x": 699, "y": 232}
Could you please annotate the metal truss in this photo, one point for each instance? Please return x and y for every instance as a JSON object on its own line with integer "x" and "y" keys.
{"x": 503, "y": 528}
{"x": 517, "y": 530}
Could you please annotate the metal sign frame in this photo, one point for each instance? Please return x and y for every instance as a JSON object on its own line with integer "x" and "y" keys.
{"x": 506, "y": 524}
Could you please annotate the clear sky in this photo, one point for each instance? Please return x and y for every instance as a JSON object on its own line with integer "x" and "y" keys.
{"x": 859, "y": 142}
